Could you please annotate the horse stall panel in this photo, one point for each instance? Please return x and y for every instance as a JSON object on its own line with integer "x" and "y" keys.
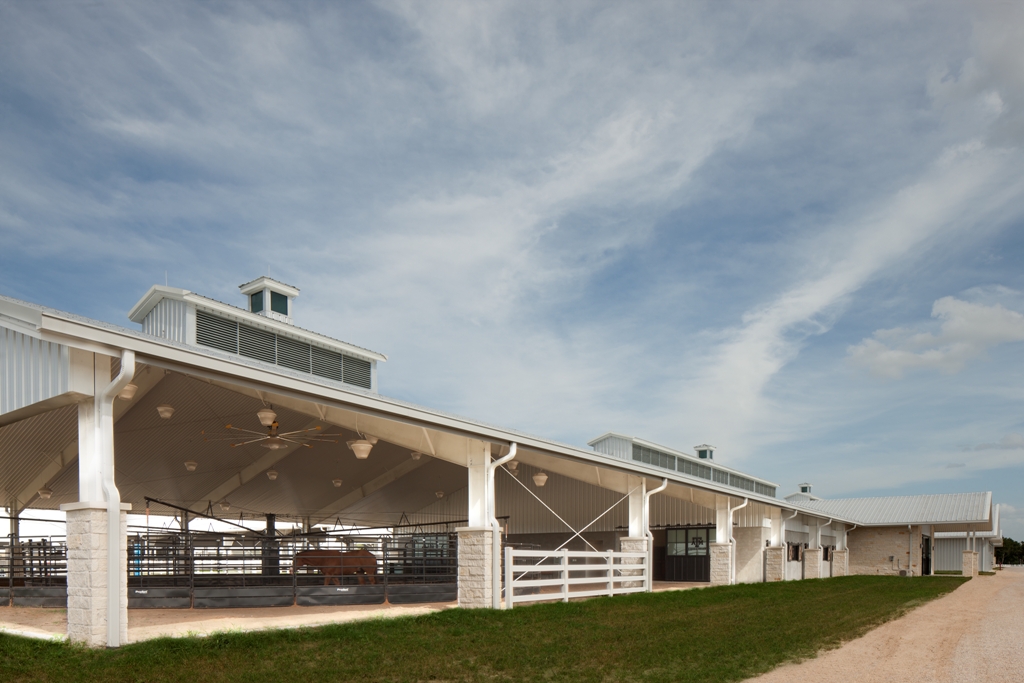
{"x": 249, "y": 596}
{"x": 159, "y": 598}
{"x": 421, "y": 568}
{"x": 310, "y": 596}
{"x": 37, "y": 571}
{"x": 406, "y": 594}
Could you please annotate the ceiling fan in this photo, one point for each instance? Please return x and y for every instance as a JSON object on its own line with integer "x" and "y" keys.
{"x": 274, "y": 439}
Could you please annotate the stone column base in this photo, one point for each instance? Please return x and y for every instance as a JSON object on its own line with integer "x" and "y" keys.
{"x": 721, "y": 564}
{"x": 474, "y": 566}
{"x": 812, "y": 563}
{"x": 631, "y": 544}
{"x": 775, "y": 563}
{"x": 840, "y": 562}
{"x": 87, "y": 539}
{"x": 970, "y": 563}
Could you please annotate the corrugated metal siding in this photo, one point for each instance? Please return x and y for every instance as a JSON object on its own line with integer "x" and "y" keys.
{"x": 949, "y": 554}
{"x": 615, "y": 446}
{"x": 167, "y": 320}
{"x": 938, "y": 509}
{"x": 28, "y": 446}
{"x": 30, "y": 370}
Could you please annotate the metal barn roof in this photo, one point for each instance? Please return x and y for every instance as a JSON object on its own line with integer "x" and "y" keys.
{"x": 946, "y": 509}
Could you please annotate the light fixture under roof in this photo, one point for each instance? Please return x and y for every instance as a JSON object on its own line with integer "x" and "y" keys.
{"x": 337, "y": 483}
{"x": 165, "y": 411}
{"x": 274, "y": 443}
{"x": 416, "y": 455}
{"x": 540, "y": 479}
{"x": 191, "y": 465}
{"x": 513, "y": 467}
{"x": 266, "y": 416}
{"x": 439, "y": 494}
{"x": 128, "y": 393}
{"x": 45, "y": 493}
{"x": 361, "y": 447}
{"x": 272, "y": 475}
{"x": 224, "y": 505}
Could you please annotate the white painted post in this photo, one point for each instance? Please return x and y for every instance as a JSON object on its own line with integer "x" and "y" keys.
{"x": 610, "y": 572}
{"x": 509, "y": 590}
{"x": 565, "y": 575}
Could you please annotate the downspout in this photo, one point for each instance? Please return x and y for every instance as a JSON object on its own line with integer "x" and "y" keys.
{"x": 821, "y": 557}
{"x": 649, "y": 534}
{"x": 732, "y": 542}
{"x": 495, "y": 527}
{"x": 105, "y": 430}
{"x": 785, "y": 562}
{"x": 910, "y": 550}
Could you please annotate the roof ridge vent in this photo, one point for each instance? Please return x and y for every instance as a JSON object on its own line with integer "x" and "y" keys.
{"x": 270, "y": 298}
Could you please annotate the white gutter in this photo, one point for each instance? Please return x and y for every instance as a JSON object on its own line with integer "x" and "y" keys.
{"x": 649, "y": 535}
{"x": 496, "y": 528}
{"x": 105, "y": 431}
{"x": 732, "y": 542}
{"x": 828, "y": 523}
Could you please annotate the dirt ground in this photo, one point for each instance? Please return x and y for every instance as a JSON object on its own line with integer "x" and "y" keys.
{"x": 974, "y": 634}
{"x": 144, "y": 624}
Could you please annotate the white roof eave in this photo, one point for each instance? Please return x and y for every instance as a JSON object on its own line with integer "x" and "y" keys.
{"x": 110, "y": 340}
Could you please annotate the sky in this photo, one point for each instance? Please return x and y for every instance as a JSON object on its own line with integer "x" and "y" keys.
{"x": 791, "y": 230}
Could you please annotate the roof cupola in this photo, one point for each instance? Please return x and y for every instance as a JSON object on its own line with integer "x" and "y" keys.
{"x": 270, "y": 298}
{"x": 705, "y": 452}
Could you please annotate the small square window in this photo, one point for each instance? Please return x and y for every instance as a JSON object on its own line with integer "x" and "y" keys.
{"x": 256, "y": 302}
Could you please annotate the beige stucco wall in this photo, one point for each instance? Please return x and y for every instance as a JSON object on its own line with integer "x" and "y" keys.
{"x": 871, "y": 547}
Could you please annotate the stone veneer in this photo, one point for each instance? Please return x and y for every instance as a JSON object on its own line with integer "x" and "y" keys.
{"x": 630, "y": 544}
{"x": 871, "y": 547}
{"x": 812, "y": 563}
{"x": 474, "y": 566}
{"x": 840, "y": 562}
{"x": 970, "y": 563}
{"x": 87, "y": 576}
{"x": 721, "y": 560}
{"x": 775, "y": 563}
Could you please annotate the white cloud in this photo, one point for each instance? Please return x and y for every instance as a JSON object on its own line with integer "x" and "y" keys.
{"x": 967, "y": 331}
{"x": 1010, "y": 442}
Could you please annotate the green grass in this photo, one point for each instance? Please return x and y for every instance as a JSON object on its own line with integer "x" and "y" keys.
{"x": 715, "y": 634}
{"x": 948, "y": 572}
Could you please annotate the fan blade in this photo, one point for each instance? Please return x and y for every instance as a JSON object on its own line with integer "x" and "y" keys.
{"x": 247, "y": 431}
{"x": 246, "y": 443}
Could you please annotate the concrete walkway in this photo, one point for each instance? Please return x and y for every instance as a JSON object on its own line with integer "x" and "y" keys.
{"x": 974, "y": 634}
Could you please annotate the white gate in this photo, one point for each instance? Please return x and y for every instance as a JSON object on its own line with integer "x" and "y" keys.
{"x": 540, "y": 575}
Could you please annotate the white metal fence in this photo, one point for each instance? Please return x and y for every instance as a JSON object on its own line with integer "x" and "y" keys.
{"x": 540, "y": 575}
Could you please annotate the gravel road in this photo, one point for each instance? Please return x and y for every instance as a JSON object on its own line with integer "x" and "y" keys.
{"x": 974, "y": 634}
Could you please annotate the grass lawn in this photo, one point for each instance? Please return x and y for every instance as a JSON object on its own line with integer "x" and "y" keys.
{"x": 715, "y": 634}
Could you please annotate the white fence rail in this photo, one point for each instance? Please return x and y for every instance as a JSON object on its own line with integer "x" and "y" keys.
{"x": 541, "y": 575}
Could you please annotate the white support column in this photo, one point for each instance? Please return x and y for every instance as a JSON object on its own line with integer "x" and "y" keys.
{"x": 475, "y": 562}
{"x": 721, "y": 549}
{"x": 775, "y": 554}
{"x": 636, "y": 542}
{"x": 97, "y": 524}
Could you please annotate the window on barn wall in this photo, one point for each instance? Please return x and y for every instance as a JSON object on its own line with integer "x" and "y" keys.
{"x": 793, "y": 554}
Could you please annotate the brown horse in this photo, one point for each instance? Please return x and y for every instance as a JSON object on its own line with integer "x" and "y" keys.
{"x": 334, "y": 563}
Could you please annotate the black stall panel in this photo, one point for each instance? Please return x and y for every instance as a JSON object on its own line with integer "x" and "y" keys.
{"x": 159, "y": 598}
{"x": 39, "y": 596}
{"x": 422, "y": 567}
{"x": 249, "y": 596}
{"x": 340, "y": 595}
{"x": 404, "y": 594}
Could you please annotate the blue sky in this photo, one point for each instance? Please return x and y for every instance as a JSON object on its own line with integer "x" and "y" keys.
{"x": 794, "y": 231}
